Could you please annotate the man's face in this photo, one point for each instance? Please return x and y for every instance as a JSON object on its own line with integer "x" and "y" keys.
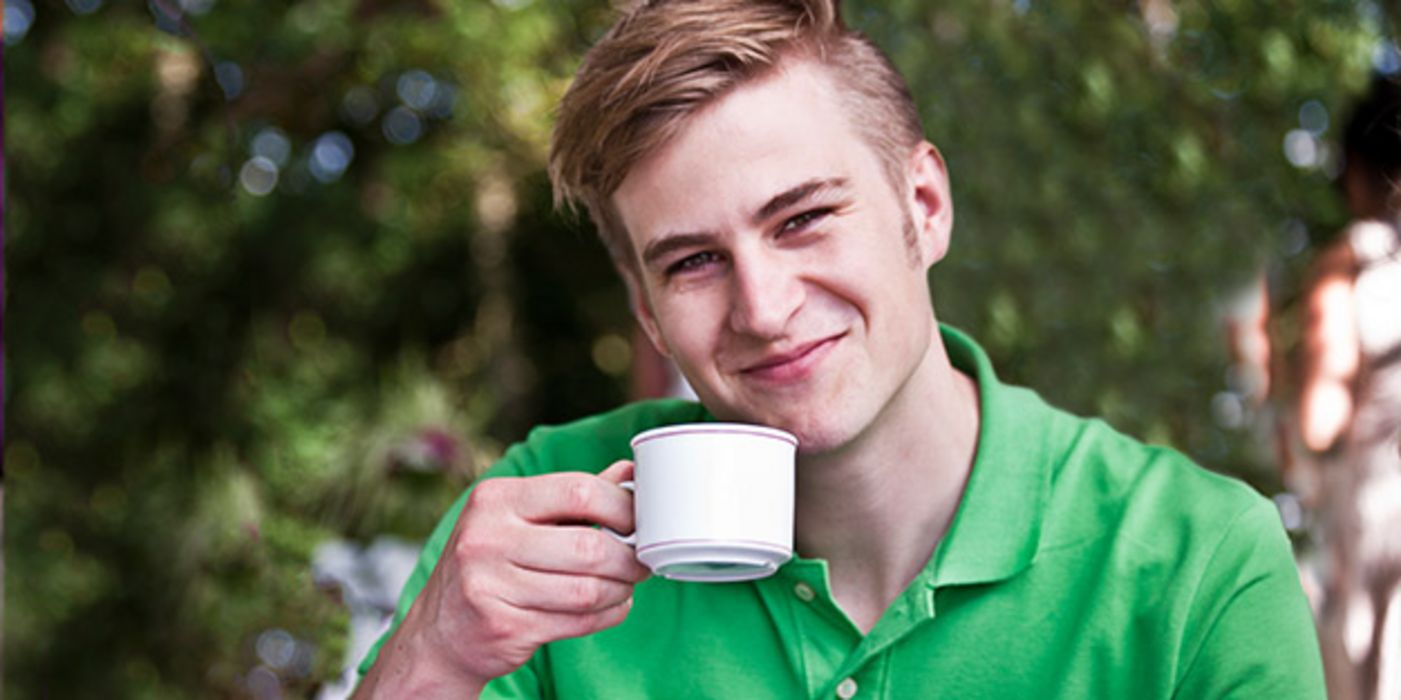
{"x": 779, "y": 266}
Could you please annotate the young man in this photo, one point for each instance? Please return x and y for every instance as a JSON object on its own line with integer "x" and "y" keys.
{"x": 761, "y": 178}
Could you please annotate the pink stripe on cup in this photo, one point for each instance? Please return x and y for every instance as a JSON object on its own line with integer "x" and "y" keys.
{"x": 714, "y": 429}
{"x": 777, "y": 548}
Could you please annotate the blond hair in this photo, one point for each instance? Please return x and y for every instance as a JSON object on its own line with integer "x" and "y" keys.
{"x": 667, "y": 59}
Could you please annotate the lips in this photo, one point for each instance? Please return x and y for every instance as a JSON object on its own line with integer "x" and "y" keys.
{"x": 793, "y": 364}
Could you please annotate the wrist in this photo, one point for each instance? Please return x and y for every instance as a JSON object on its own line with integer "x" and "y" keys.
{"x": 413, "y": 663}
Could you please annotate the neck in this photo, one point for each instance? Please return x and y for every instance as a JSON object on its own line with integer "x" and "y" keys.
{"x": 877, "y": 508}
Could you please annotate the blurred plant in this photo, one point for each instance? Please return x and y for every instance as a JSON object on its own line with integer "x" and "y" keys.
{"x": 283, "y": 273}
{"x": 1119, "y": 173}
{"x": 267, "y": 262}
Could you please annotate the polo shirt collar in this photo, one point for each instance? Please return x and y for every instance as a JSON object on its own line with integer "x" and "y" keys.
{"x": 995, "y": 533}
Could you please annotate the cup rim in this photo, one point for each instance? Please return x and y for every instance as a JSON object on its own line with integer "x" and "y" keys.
{"x": 715, "y": 428}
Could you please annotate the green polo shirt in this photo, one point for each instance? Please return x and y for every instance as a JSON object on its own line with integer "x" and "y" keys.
{"x": 1080, "y": 564}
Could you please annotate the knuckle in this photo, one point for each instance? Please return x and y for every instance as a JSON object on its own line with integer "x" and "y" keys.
{"x": 585, "y": 594}
{"x": 472, "y": 547}
{"x": 493, "y": 621}
{"x": 591, "y": 548}
{"x": 612, "y": 617}
{"x": 475, "y": 591}
{"x": 579, "y": 495}
{"x": 638, "y": 572}
{"x": 486, "y": 494}
{"x": 581, "y": 625}
{"x": 498, "y": 628}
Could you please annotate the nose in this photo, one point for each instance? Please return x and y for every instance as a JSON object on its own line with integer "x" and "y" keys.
{"x": 765, "y": 295}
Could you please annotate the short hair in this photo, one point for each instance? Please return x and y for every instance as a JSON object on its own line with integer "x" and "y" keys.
{"x": 1372, "y": 138}
{"x": 665, "y": 60}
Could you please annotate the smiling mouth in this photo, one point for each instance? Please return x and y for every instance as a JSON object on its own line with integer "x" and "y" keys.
{"x": 793, "y": 364}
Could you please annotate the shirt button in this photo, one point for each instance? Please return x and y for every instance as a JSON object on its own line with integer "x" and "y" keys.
{"x": 804, "y": 592}
{"x": 846, "y": 690}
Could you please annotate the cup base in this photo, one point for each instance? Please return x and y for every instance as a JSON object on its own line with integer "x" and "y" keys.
{"x": 714, "y": 561}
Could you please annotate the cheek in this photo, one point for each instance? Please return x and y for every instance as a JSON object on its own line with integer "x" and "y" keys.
{"x": 887, "y": 293}
{"x": 689, "y": 327}
{"x": 868, "y": 272}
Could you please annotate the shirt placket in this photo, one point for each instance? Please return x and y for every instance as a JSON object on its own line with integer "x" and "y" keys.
{"x": 816, "y": 635}
{"x": 865, "y": 671}
{"x": 835, "y": 659}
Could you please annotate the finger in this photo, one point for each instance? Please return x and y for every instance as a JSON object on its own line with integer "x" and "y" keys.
{"x": 575, "y": 550}
{"x": 544, "y": 591}
{"x": 565, "y": 625}
{"x": 618, "y": 472}
{"x": 573, "y": 497}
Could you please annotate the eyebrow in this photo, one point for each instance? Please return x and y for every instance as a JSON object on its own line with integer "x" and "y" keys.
{"x": 794, "y": 195}
{"x": 660, "y": 247}
{"x": 663, "y": 246}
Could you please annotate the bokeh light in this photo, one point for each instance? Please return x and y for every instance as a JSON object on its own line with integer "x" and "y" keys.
{"x": 258, "y": 176}
{"x": 19, "y": 17}
{"x": 229, "y": 75}
{"x": 263, "y": 684}
{"x": 417, "y": 89}
{"x": 402, "y": 126}
{"x": 1313, "y": 117}
{"x": 1228, "y": 410}
{"x": 443, "y": 102}
{"x": 1294, "y": 237}
{"x": 612, "y": 354}
{"x": 83, "y": 7}
{"x": 360, "y": 106}
{"x": 165, "y": 20}
{"x": 277, "y": 648}
{"x": 330, "y": 156}
{"x": 1386, "y": 58}
{"x": 271, "y": 143}
{"x": 1302, "y": 150}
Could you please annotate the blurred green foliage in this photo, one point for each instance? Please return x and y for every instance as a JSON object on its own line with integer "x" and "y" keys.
{"x": 285, "y": 272}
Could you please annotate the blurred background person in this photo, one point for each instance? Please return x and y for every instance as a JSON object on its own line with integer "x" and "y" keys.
{"x": 1349, "y": 406}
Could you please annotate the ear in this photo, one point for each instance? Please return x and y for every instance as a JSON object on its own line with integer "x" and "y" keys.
{"x": 642, "y": 311}
{"x": 930, "y": 203}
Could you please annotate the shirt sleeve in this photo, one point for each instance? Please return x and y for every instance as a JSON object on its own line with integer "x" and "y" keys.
{"x": 1251, "y": 634}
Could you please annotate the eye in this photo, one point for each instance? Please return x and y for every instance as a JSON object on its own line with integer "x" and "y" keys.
{"x": 805, "y": 220}
{"x": 692, "y": 263}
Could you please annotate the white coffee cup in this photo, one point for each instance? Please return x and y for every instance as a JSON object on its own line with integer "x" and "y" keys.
{"x": 713, "y": 501}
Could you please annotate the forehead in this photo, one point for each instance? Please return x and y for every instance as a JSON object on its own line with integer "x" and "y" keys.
{"x": 761, "y": 138}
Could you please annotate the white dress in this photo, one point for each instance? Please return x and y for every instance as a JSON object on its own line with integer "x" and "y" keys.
{"x": 1363, "y": 476}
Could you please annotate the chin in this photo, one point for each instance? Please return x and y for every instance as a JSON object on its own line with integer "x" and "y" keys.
{"x": 817, "y": 434}
{"x": 815, "y": 438}
{"x": 816, "y": 446}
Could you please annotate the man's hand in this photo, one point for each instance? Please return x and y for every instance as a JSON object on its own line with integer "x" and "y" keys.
{"x": 523, "y": 567}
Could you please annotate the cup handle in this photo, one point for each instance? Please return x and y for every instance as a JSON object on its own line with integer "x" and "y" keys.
{"x": 625, "y": 539}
